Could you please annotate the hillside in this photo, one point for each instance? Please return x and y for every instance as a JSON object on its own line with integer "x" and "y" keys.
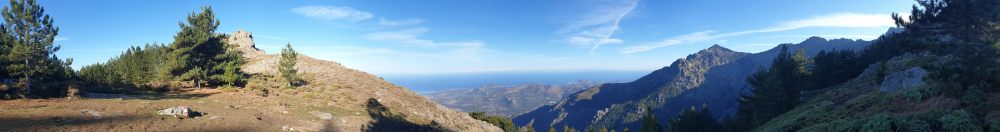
{"x": 714, "y": 76}
{"x": 336, "y": 98}
{"x": 507, "y": 100}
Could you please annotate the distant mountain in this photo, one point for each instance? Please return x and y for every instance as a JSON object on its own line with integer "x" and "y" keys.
{"x": 715, "y": 77}
{"x": 507, "y": 100}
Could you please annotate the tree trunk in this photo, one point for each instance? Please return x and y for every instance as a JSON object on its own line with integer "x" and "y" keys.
{"x": 27, "y": 79}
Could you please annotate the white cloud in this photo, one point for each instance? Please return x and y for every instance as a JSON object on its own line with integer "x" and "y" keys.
{"x": 830, "y": 36}
{"x": 693, "y": 37}
{"x": 391, "y": 23}
{"x": 596, "y": 27}
{"x": 466, "y": 50}
{"x": 843, "y": 20}
{"x": 405, "y": 36}
{"x": 333, "y": 13}
{"x": 415, "y": 52}
{"x": 837, "y": 20}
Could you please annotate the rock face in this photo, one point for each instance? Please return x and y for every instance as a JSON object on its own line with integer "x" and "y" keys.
{"x": 714, "y": 77}
{"x": 902, "y": 80}
{"x": 355, "y": 92}
{"x": 244, "y": 42}
{"x": 507, "y": 100}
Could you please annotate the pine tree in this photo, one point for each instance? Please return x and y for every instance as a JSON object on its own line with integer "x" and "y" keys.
{"x": 195, "y": 46}
{"x": 287, "y": 66}
{"x": 5, "y": 45}
{"x": 650, "y": 123}
{"x": 835, "y": 67}
{"x": 227, "y": 71}
{"x": 694, "y": 120}
{"x": 529, "y": 128}
{"x": 773, "y": 91}
{"x": 29, "y": 53}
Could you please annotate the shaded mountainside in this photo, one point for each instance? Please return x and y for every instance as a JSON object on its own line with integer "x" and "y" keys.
{"x": 884, "y": 89}
{"x": 507, "y": 100}
{"x": 714, "y": 77}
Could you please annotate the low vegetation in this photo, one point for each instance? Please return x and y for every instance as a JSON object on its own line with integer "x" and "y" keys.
{"x": 503, "y": 122}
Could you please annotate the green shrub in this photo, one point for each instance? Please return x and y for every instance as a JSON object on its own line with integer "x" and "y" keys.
{"x": 920, "y": 93}
{"x": 913, "y": 126}
{"x": 503, "y": 122}
{"x": 993, "y": 126}
{"x": 842, "y": 125}
{"x": 973, "y": 96}
{"x": 880, "y": 123}
{"x": 959, "y": 121}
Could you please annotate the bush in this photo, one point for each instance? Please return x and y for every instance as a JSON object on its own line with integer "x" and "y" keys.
{"x": 993, "y": 126}
{"x": 262, "y": 85}
{"x": 973, "y": 96}
{"x": 913, "y": 126}
{"x": 842, "y": 125}
{"x": 880, "y": 123}
{"x": 959, "y": 121}
{"x": 503, "y": 122}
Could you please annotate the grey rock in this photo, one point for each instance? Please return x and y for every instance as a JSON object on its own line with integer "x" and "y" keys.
{"x": 91, "y": 113}
{"x": 179, "y": 112}
{"x": 322, "y": 115}
{"x": 901, "y": 80}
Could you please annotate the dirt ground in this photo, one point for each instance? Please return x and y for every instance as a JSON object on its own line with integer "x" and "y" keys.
{"x": 229, "y": 111}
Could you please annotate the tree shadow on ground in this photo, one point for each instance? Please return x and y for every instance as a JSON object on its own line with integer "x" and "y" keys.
{"x": 149, "y": 96}
{"x": 328, "y": 127}
{"x": 55, "y": 122}
{"x": 386, "y": 121}
{"x": 106, "y": 123}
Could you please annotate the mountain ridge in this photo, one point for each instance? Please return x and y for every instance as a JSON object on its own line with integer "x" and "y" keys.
{"x": 507, "y": 100}
{"x": 708, "y": 75}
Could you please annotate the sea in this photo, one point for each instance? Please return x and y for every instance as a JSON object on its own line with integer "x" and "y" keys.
{"x": 426, "y": 84}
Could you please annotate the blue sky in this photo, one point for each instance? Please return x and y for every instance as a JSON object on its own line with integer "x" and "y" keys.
{"x": 406, "y": 37}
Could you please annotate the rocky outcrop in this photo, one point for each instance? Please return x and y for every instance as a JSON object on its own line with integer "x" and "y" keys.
{"x": 902, "y": 80}
{"x": 244, "y": 42}
{"x": 351, "y": 91}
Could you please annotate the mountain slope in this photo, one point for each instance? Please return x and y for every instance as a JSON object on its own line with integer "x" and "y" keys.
{"x": 353, "y": 90}
{"x": 507, "y": 100}
{"x": 336, "y": 98}
{"x": 714, "y": 76}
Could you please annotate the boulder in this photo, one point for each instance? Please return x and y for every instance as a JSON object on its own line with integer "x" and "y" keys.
{"x": 179, "y": 112}
{"x": 91, "y": 113}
